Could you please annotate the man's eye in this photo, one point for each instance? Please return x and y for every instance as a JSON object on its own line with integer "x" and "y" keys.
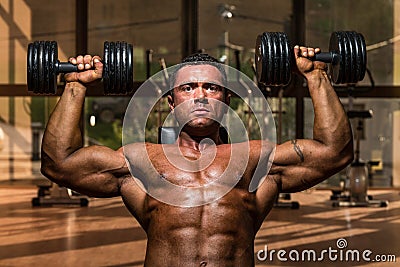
{"x": 186, "y": 88}
{"x": 213, "y": 87}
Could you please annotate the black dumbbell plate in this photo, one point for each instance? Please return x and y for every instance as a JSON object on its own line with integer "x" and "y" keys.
{"x": 350, "y": 46}
{"x": 273, "y": 59}
{"x": 41, "y": 70}
{"x": 118, "y": 68}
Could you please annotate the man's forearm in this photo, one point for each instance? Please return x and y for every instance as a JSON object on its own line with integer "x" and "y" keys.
{"x": 331, "y": 125}
{"x": 63, "y": 135}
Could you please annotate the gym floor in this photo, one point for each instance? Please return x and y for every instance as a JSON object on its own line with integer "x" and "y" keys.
{"x": 105, "y": 234}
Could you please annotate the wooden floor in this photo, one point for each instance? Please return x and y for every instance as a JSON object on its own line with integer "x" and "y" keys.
{"x": 104, "y": 234}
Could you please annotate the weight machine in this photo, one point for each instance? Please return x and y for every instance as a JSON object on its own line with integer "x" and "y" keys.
{"x": 355, "y": 186}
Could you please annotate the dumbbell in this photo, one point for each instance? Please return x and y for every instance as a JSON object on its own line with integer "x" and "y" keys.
{"x": 43, "y": 67}
{"x": 274, "y": 57}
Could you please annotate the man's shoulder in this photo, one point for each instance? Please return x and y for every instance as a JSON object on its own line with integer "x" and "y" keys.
{"x": 253, "y": 144}
{"x": 139, "y": 145}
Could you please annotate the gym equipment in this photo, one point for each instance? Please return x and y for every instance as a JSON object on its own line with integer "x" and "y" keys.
{"x": 355, "y": 187}
{"x": 294, "y": 205}
{"x": 274, "y": 58}
{"x": 284, "y": 196}
{"x": 49, "y": 195}
{"x": 43, "y": 67}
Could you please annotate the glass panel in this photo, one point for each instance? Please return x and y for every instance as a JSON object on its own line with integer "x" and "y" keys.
{"x": 22, "y": 119}
{"x": 374, "y": 19}
{"x": 104, "y": 117}
{"x": 22, "y": 22}
{"x": 234, "y": 25}
{"x": 285, "y": 116}
{"x": 376, "y": 142}
{"x": 148, "y": 25}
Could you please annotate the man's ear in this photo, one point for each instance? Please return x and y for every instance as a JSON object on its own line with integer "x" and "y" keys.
{"x": 171, "y": 103}
{"x": 228, "y": 95}
{"x": 227, "y": 100}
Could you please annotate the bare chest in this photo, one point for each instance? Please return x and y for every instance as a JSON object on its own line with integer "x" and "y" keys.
{"x": 188, "y": 178}
{"x": 190, "y": 168}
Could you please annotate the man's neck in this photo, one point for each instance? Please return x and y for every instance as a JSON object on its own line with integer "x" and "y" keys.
{"x": 197, "y": 142}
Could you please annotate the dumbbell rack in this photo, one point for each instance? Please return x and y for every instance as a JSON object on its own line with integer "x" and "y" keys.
{"x": 358, "y": 172}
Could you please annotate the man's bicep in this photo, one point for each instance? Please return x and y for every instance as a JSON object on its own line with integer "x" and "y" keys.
{"x": 94, "y": 171}
{"x": 300, "y": 164}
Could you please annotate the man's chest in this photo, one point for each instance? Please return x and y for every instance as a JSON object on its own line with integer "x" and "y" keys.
{"x": 195, "y": 169}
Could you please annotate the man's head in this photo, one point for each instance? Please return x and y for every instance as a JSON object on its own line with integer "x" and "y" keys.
{"x": 198, "y": 59}
{"x": 199, "y": 97}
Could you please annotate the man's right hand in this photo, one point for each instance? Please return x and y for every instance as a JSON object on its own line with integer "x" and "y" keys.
{"x": 90, "y": 69}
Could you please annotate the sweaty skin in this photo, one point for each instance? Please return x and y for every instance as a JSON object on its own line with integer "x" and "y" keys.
{"x": 220, "y": 233}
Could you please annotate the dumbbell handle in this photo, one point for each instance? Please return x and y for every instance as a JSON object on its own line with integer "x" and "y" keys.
{"x": 327, "y": 57}
{"x": 64, "y": 67}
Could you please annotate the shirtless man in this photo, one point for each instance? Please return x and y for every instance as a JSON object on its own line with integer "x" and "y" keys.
{"x": 218, "y": 233}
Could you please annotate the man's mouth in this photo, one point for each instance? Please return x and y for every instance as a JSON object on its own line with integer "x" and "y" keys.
{"x": 200, "y": 110}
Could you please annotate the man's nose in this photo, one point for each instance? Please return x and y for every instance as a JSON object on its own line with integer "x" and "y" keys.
{"x": 200, "y": 92}
{"x": 200, "y": 95}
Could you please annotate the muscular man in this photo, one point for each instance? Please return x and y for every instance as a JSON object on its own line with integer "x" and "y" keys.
{"x": 220, "y": 232}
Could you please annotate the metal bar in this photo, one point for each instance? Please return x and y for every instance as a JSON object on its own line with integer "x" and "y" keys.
{"x": 189, "y": 14}
{"x": 81, "y": 42}
{"x": 22, "y": 90}
{"x": 81, "y": 26}
{"x": 149, "y": 59}
{"x": 299, "y": 36}
{"x": 358, "y": 92}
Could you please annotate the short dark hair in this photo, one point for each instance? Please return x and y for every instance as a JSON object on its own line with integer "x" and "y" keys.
{"x": 198, "y": 59}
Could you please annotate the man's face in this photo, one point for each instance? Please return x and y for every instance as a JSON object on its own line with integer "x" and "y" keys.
{"x": 199, "y": 98}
